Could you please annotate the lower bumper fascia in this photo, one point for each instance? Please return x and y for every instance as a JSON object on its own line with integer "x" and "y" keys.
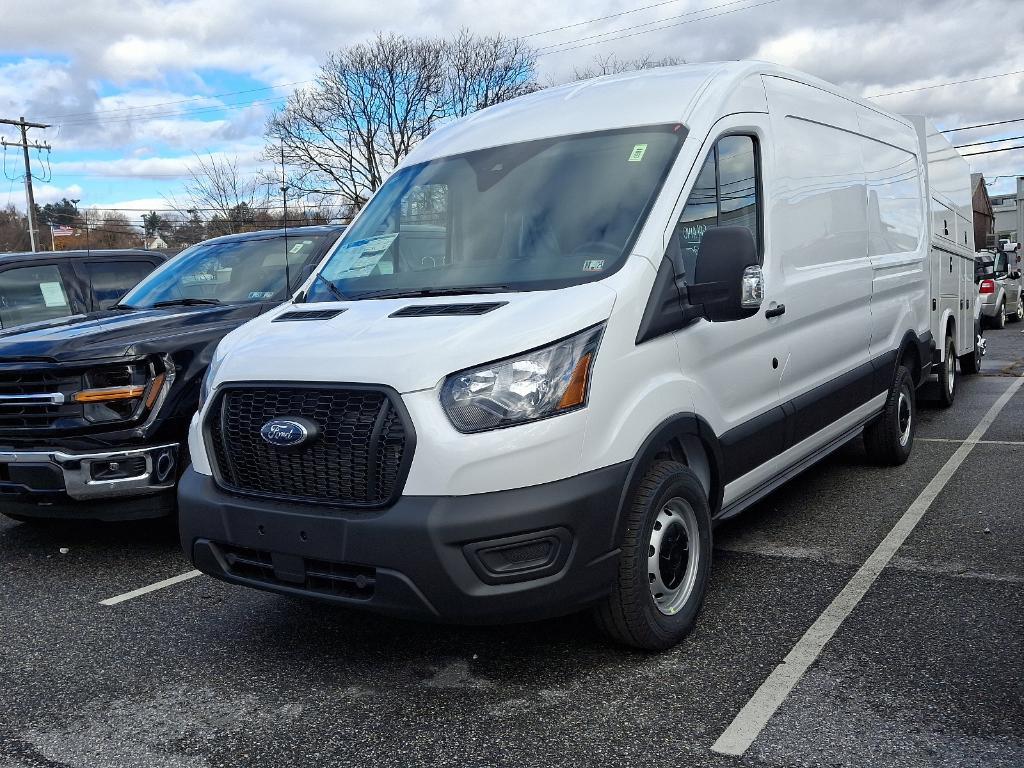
{"x": 513, "y": 555}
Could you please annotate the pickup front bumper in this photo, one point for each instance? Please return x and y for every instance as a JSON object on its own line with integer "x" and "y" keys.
{"x": 56, "y": 483}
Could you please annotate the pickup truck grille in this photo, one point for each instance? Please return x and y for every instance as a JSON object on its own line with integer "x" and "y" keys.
{"x": 358, "y": 459}
{"x": 21, "y": 411}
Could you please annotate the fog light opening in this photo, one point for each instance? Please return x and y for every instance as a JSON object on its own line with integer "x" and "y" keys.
{"x": 164, "y": 466}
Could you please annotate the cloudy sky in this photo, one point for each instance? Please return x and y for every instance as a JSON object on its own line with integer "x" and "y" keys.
{"x": 133, "y": 89}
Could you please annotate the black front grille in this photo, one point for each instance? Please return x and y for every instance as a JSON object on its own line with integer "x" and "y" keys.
{"x": 358, "y": 458}
{"x": 17, "y": 413}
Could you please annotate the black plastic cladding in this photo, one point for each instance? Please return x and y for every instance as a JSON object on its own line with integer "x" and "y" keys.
{"x": 436, "y": 310}
{"x": 360, "y": 461}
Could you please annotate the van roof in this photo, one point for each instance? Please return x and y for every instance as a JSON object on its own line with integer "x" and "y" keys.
{"x": 692, "y": 94}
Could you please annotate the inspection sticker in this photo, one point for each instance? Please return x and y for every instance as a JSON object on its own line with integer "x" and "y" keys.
{"x": 638, "y": 153}
{"x": 593, "y": 265}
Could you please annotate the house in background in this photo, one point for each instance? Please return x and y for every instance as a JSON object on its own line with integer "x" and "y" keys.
{"x": 1009, "y": 213}
{"x": 984, "y": 218}
{"x": 156, "y": 243}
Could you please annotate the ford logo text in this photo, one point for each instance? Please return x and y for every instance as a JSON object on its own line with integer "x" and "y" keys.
{"x": 287, "y": 433}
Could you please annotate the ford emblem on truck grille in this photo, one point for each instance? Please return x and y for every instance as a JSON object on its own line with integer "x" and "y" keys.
{"x": 288, "y": 433}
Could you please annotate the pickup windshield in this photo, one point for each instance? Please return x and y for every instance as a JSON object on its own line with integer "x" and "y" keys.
{"x": 235, "y": 271}
{"x": 529, "y": 216}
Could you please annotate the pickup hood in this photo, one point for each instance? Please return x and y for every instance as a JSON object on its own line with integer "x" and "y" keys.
{"x": 364, "y": 344}
{"x": 118, "y": 334}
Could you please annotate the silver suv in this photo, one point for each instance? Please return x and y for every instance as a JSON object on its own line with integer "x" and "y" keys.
{"x": 999, "y": 286}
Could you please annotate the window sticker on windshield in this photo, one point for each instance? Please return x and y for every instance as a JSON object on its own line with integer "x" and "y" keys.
{"x": 298, "y": 247}
{"x": 257, "y": 295}
{"x": 363, "y": 255}
{"x": 593, "y": 265}
{"x": 53, "y": 295}
{"x": 638, "y": 153}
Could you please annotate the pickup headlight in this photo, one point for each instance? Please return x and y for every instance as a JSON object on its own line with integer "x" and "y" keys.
{"x": 115, "y": 393}
{"x": 534, "y": 385}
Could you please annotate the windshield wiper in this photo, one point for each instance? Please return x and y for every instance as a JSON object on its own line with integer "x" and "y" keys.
{"x": 400, "y": 293}
{"x": 122, "y": 307}
{"x": 190, "y": 302}
{"x": 332, "y": 287}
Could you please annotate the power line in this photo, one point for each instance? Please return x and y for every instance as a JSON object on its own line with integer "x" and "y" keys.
{"x": 988, "y": 141}
{"x": 657, "y": 29}
{"x": 30, "y": 202}
{"x": 943, "y": 85}
{"x": 181, "y": 101}
{"x": 992, "y": 151}
{"x": 645, "y": 24}
{"x": 983, "y": 125}
{"x": 604, "y": 18}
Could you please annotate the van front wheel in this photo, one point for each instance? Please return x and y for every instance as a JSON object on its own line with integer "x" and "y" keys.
{"x": 665, "y": 561}
{"x": 889, "y": 439}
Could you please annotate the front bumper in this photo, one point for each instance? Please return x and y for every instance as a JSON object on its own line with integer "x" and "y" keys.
{"x": 494, "y": 557}
{"x": 55, "y": 478}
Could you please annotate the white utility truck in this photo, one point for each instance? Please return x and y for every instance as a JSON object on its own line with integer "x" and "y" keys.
{"x": 572, "y": 332}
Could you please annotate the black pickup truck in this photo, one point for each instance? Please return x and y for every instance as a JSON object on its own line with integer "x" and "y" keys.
{"x": 94, "y": 408}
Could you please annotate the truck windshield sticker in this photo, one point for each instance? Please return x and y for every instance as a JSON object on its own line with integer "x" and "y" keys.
{"x": 593, "y": 265}
{"x": 53, "y": 295}
{"x": 638, "y": 153}
{"x": 299, "y": 246}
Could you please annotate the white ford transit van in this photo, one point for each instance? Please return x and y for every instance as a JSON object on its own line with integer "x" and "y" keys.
{"x": 572, "y": 332}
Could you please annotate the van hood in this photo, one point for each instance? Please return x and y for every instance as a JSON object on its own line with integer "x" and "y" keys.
{"x": 366, "y": 345}
{"x": 129, "y": 333}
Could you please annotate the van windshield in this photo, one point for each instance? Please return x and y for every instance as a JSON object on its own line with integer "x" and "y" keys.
{"x": 232, "y": 271}
{"x": 536, "y": 215}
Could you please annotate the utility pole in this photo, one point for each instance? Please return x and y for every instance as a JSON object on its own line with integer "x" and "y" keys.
{"x": 25, "y": 146}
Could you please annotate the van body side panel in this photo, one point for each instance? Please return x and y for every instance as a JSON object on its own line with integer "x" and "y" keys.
{"x": 897, "y": 229}
{"x": 817, "y": 218}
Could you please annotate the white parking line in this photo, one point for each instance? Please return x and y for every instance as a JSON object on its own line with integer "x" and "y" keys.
{"x": 977, "y": 442}
{"x": 151, "y": 588}
{"x": 756, "y": 713}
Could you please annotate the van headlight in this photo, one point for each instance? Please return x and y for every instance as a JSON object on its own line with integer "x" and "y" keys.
{"x": 534, "y": 385}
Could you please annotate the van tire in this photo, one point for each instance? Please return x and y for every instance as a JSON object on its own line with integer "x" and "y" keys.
{"x": 971, "y": 362}
{"x": 946, "y": 371}
{"x": 631, "y": 615}
{"x": 886, "y": 439}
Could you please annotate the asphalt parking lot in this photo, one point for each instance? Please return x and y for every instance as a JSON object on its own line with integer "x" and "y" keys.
{"x": 927, "y": 669}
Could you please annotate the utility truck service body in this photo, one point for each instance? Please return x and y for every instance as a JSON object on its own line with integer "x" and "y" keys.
{"x": 569, "y": 334}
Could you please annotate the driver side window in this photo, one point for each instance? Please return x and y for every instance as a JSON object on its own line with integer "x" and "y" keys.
{"x": 725, "y": 194}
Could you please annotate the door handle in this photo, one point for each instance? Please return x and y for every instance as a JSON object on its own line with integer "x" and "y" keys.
{"x": 776, "y": 311}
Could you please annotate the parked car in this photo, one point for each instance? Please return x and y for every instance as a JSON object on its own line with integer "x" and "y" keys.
{"x": 94, "y": 408}
{"x": 52, "y": 285}
{"x": 999, "y": 289}
{"x": 645, "y": 319}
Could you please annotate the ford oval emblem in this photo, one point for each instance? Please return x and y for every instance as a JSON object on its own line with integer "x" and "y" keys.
{"x": 287, "y": 433}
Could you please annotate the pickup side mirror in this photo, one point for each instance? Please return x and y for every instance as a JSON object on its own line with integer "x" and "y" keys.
{"x": 727, "y": 277}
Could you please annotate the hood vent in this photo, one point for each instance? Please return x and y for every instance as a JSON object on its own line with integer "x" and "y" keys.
{"x": 447, "y": 310}
{"x": 307, "y": 314}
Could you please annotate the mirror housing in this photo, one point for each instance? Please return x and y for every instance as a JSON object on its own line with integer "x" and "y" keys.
{"x": 727, "y": 278}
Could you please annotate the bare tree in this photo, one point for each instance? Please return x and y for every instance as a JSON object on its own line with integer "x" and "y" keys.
{"x": 612, "y": 65}
{"x": 220, "y": 188}
{"x": 371, "y": 103}
{"x": 482, "y": 71}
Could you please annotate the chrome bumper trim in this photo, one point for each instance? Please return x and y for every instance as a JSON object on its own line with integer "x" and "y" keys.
{"x": 160, "y": 473}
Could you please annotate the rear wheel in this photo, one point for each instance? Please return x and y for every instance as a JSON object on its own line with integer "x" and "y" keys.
{"x": 999, "y": 321}
{"x": 947, "y": 374}
{"x": 665, "y": 561}
{"x": 971, "y": 362}
{"x": 890, "y": 438}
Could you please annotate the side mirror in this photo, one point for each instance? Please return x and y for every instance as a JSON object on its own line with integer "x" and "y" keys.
{"x": 727, "y": 278}
{"x": 1015, "y": 275}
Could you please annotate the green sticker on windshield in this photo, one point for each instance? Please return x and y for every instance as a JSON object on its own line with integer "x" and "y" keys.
{"x": 638, "y": 153}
